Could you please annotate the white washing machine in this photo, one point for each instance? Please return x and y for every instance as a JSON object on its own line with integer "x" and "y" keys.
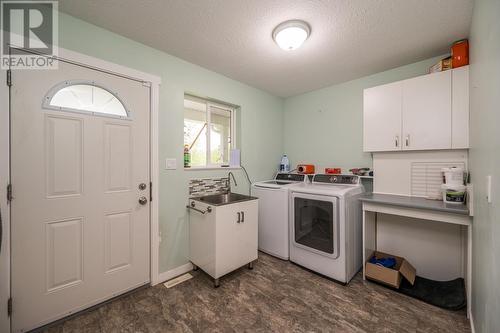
{"x": 326, "y": 226}
{"x": 273, "y": 212}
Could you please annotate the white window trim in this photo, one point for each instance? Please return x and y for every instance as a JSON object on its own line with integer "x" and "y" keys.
{"x": 216, "y": 167}
{"x": 232, "y": 109}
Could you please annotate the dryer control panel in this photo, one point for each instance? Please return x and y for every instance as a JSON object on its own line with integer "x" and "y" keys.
{"x": 336, "y": 179}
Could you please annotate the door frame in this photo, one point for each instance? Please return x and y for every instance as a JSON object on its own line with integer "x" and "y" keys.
{"x": 5, "y": 208}
{"x": 149, "y": 80}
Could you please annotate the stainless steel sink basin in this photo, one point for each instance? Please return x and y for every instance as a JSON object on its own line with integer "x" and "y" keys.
{"x": 224, "y": 198}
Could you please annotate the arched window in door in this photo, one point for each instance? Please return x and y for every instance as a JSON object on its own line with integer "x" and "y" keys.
{"x": 87, "y": 97}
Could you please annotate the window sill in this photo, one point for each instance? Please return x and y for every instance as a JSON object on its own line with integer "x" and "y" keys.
{"x": 212, "y": 168}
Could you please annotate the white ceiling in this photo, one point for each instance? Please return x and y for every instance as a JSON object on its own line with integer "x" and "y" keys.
{"x": 349, "y": 39}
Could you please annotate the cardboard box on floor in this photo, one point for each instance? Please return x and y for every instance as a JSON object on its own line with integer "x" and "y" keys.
{"x": 390, "y": 276}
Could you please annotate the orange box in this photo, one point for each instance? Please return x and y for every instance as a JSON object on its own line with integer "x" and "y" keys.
{"x": 460, "y": 53}
{"x": 306, "y": 169}
{"x": 333, "y": 171}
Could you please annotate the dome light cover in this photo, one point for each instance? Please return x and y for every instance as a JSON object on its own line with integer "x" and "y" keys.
{"x": 290, "y": 35}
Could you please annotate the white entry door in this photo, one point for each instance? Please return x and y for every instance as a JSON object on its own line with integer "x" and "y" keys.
{"x": 80, "y": 165}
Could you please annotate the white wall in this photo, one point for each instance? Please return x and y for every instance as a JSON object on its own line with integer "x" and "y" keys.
{"x": 393, "y": 169}
{"x": 485, "y": 160}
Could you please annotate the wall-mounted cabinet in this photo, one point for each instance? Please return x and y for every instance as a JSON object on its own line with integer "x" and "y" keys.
{"x": 423, "y": 113}
{"x": 460, "y": 108}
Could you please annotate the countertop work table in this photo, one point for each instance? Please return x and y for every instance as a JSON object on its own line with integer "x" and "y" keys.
{"x": 421, "y": 214}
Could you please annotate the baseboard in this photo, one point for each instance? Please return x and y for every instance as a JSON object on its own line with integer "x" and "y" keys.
{"x": 471, "y": 319}
{"x": 165, "y": 276}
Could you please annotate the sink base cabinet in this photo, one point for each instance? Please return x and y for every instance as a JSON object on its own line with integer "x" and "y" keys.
{"x": 225, "y": 238}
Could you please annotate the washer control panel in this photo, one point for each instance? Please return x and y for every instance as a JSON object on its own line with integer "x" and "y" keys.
{"x": 290, "y": 177}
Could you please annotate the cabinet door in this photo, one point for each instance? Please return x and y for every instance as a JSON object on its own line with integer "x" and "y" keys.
{"x": 427, "y": 112}
{"x": 460, "y": 108}
{"x": 382, "y": 117}
{"x": 248, "y": 232}
{"x": 202, "y": 238}
{"x": 236, "y": 236}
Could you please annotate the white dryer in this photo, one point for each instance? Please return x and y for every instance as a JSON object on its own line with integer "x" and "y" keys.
{"x": 273, "y": 212}
{"x": 326, "y": 226}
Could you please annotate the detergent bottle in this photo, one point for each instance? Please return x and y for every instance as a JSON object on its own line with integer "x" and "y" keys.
{"x": 285, "y": 164}
{"x": 187, "y": 157}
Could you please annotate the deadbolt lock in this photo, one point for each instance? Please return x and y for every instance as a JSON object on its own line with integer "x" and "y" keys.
{"x": 142, "y": 186}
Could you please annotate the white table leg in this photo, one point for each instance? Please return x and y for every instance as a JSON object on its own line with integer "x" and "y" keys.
{"x": 468, "y": 284}
{"x": 369, "y": 236}
{"x": 364, "y": 243}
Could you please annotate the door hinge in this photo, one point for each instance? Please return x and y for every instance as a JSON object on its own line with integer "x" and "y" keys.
{"x": 9, "y": 193}
{"x": 150, "y": 191}
{"x": 9, "y": 77}
{"x": 9, "y": 307}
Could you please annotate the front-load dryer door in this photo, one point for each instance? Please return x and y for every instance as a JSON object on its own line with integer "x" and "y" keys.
{"x": 315, "y": 223}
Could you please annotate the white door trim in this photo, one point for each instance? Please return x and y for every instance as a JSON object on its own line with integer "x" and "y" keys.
{"x": 153, "y": 82}
{"x": 4, "y": 181}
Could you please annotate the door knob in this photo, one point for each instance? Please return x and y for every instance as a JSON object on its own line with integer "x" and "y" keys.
{"x": 143, "y": 200}
{"x": 142, "y": 186}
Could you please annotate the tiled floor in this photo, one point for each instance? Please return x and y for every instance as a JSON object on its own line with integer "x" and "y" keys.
{"x": 276, "y": 296}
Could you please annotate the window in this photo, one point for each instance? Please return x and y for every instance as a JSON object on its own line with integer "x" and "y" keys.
{"x": 208, "y": 132}
{"x": 85, "y": 97}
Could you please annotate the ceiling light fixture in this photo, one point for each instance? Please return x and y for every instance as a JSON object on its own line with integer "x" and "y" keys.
{"x": 290, "y": 35}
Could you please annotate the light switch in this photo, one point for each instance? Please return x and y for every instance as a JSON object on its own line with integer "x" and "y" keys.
{"x": 170, "y": 163}
{"x": 488, "y": 189}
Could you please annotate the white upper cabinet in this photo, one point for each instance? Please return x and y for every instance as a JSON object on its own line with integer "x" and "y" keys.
{"x": 382, "y": 117}
{"x": 427, "y": 112}
{"x": 422, "y": 113}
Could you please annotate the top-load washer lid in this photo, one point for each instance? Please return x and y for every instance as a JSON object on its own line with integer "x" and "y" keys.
{"x": 277, "y": 182}
{"x": 282, "y": 180}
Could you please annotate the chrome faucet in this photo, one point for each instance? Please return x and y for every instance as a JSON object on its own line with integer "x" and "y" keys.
{"x": 229, "y": 175}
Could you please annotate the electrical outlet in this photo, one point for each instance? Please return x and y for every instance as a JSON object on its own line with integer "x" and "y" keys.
{"x": 170, "y": 163}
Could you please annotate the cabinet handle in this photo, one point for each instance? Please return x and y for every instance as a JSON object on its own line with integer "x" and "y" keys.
{"x": 242, "y": 217}
{"x": 408, "y": 140}
{"x": 396, "y": 140}
{"x": 239, "y": 218}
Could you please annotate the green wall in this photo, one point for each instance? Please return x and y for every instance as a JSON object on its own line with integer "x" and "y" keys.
{"x": 325, "y": 127}
{"x": 261, "y": 130}
{"x": 485, "y": 160}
